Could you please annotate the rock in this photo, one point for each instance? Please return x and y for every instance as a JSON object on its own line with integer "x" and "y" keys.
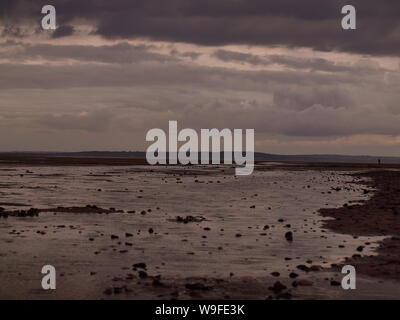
{"x": 190, "y": 219}
{"x": 114, "y": 237}
{"x": 335, "y": 283}
{"x": 130, "y": 276}
{"x": 302, "y": 267}
{"x": 289, "y": 236}
{"x": 315, "y": 268}
{"x": 275, "y": 274}
{"x": 284, "y": 295}
{"x": 117, "y": 290}
{"x": 108, "y": 291}
{"x": 157, "y": 283}
{"x": 140, "y": 265}
{"x": 293, "y": 275}
{"x": 32, "y": 212}
{"x": 278, "y": 287}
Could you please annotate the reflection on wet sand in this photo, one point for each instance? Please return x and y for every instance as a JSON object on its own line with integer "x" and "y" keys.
{"x": 135, "y": 232}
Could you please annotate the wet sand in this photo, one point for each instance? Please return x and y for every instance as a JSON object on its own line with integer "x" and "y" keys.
{"x": 138, "y": 232}
{"x": 378, "y": 216}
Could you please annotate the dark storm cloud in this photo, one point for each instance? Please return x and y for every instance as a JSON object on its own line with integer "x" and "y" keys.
{"x": 306, "y": 23}
{"x": 63, "y": 31}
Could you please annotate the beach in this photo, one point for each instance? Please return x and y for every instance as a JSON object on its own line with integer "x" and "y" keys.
{"x": 118, "y": 229}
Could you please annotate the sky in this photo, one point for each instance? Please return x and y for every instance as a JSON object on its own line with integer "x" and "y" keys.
{"x": 113, "y": 70}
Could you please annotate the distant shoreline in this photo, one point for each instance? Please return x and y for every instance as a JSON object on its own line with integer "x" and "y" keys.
{"x": 86, "y": 159}
{"x": 135, "y": 157}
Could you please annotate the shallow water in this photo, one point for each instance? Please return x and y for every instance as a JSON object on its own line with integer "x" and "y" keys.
{"x": 211, "y": 248}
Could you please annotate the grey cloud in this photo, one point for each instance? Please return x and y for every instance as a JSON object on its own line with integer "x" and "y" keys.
{"x": 92, "y": 121}
{"x": 13, "y": 31}
{"x": 188, "y": 54}
{"x": 144, "y": 95}
{"x": 300, "y": 98}
{"x": 321, "y": 121}
{"x": 232, "y": 56}
{"x": 317, "y": 64}
{"x": 118, "y": 53}
{"x": 63, "y": 31}
{"x": 87, "y": 75}
{"x": 288, "y": 103}
{"x": 307, "y": 23}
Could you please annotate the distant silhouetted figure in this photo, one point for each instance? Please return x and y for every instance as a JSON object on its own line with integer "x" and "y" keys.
{"x": 379, "y": 162}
